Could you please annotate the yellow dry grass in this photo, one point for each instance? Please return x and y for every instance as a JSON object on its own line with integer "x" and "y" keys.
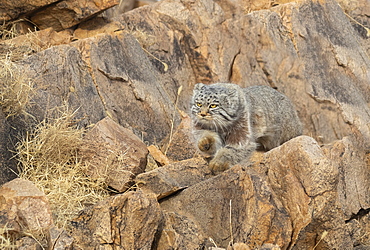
{"x": 6, "y": 240}
{"x": 16, "y": 90}
{"x": 49, "y": 157}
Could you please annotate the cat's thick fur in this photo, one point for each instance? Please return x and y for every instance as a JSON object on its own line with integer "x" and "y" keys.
{"x": 230, "y": 122}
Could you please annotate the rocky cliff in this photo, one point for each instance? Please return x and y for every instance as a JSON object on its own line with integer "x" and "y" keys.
{"x": 127, "y": 77}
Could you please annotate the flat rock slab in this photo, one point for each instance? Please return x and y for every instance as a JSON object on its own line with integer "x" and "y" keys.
{"x": 169, "y": 179}
{"x": 10, "y": 10}
{"x": 67, "y": 13}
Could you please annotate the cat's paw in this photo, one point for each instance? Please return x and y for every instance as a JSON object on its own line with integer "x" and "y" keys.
{"x": 207, "y": 145}
{"x": 218, "y": 165}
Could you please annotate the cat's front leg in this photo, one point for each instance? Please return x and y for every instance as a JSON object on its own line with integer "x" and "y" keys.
{"x": 209, "y": 142}
{"x": 230, "y": 155}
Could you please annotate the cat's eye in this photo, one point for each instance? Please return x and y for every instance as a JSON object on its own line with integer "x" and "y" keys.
{"x": 199, "y": 104}
{"x": 212, "y": 106}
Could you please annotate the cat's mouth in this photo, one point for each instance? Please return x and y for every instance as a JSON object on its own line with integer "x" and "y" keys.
{"x": 205, "y": 121}
{"x": 203, "y": 117}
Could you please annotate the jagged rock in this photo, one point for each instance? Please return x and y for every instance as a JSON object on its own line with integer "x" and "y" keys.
{"x": 130, "y": 87}
{"x": 24, "y": 45}
{"x": 124, "y": 221}
{"x": 23, "y": 207}
{"x": 28, "y": 243}
{"x": 256, "y": 216}
{"x": 67, "y": 13}
{"x": 275, "y": 47}
{"x": 10, "y": 10}
{"x": 174, "y": 177}
{"x": 305, "y": 181}
{"x": 240, "y": 246}
{"x": 289, "y": 203}
{"x": 178, "y": 232}
{"x": 94, "y": 75}
{"x": 66, "y": 83}
{"x": 115, "y": 153}
{"x": 59, "y": 239}
{"x": 352, "y": 161}
{"x": 158, "y": 156}
{"x": 96, "y": 26}
{"x": 8, "y": 166}
{"x": 180, "y": 145}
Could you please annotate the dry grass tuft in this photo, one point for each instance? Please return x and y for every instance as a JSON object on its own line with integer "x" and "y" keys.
{"x": 8, "y": 30}
{"x": 49, "y": 157}
{"x": 6, "y": 240}
{"x": 16, "y": 90}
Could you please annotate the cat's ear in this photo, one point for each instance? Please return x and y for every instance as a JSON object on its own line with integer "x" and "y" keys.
{"x": 198, "y": 86}
{"x": 232, "y": 92}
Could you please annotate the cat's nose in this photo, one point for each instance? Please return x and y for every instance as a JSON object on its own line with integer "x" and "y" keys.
{"x": 203, "y": 113}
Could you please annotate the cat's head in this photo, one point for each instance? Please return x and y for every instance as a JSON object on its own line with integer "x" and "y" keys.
{"x": 215, "y": 106}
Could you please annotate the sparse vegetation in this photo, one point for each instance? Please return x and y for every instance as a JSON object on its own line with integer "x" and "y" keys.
{"x": 16, "y": 90}
{"x": 6, "y": 240}
{"x": 49, "y": 157}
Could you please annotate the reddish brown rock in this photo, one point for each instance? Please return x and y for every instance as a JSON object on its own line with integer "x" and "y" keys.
{"x": 353, "y": 165}
{"x": 256, "y": 213}
{"x": 174, "y": 177}
{"x": 59, "y": 239}
{"x": 180, "y": 145}
{"x": 114, "y": 153}
{"x": 23, "y": 207}
{"x": 10, "y": 10}
{"x": 286, "y": 199}
{"x": 158, "y": 156}
{"x": 95, "y": 26}
{"x": 125, "y": 221}
{"x": 67, "y": 13}
{"x": 178, "y": 232}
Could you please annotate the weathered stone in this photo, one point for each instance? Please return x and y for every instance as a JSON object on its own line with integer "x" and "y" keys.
{"x": 269, "y": 246}
{"x": 124, "y": 221}
{"x": 23, "y": 207}
{"x": 358, "y": 228}
{"x": 10, "y": 10}
{"x": 8, "y": 166}
{"x": 180, "y": 145}
{"x": 178, "y": 232}
{"x": 115, "y": 153}
{"x": 289, "y": 203}
{"x": 129, "y": 85}
{"x": 359, "y": 11}
{"x": 93, "y": 76}
{"x": 28, "y": 243}
{"x": 67, "y": 13}
{"x": 174, "y": 177}
{"x": 24, "y": 45}
{"x": 238, "y": 246}
{"x": 158, "y": 156}
{"x": 95, "y": 26}
{"x": 61, "y": 78}
{"x": 59, "y": 239}
{"x": 327, "y": 79}
{"x": 353, "y": 166}
{"x": 256, "y": 214}
{"x": 305, "y": 181}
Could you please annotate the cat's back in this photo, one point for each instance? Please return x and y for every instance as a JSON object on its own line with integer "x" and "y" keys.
{"x": 273, "y": 115}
